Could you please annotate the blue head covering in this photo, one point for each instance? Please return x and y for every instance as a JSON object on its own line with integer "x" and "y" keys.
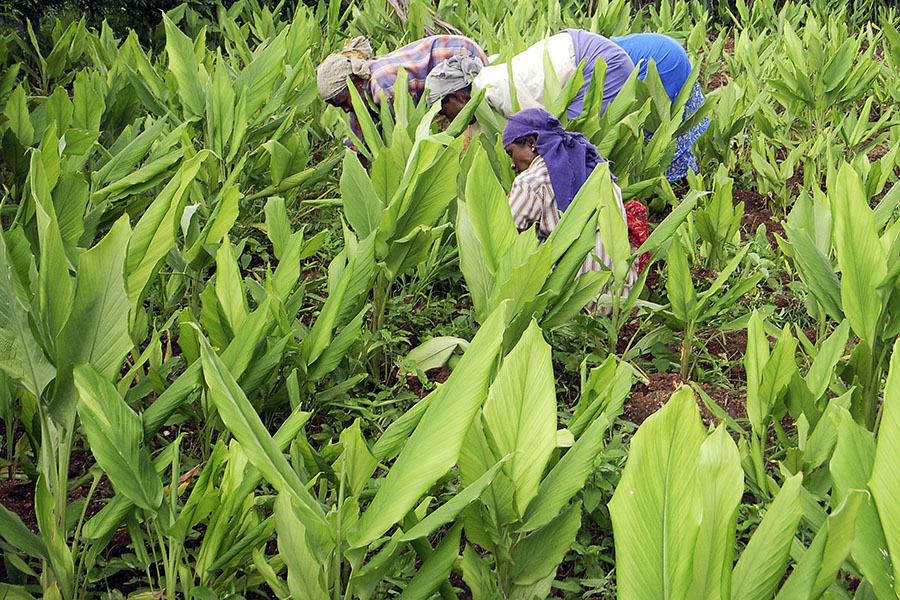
{"x": 570, "y": 157}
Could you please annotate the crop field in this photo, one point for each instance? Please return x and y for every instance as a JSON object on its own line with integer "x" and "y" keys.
{"x": 240, "y": 360}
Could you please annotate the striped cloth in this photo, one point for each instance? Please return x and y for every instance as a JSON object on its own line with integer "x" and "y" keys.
{"x": 531, "y": 200}
{"x": 417, "y": 59}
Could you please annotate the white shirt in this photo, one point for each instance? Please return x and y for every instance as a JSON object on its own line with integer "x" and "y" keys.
{"x": 528, "y": 74}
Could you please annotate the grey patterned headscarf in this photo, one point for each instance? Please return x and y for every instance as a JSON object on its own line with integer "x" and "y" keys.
{"x": 451, "y": 75}
{"x": 331, "y": 76}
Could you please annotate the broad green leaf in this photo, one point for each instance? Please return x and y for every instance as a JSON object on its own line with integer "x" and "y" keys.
{"x": 472, "y": 263}
{"x": 17, "y": 535}
{"x": 278, "y": 225}
{"x": 520, "y": 413}
{"x": 362, "y": 206}
{"x": 585, "y": 289}
{"x": 822, "y": 370}
{"x": 14, "y": 592}
{"x": 70, "y": 197}
{"x": 244, "y": 423}
{"x": 147, "y": 176}
{"x": 16, "y": 112}
{"x": 97, "y": 330}
{"x": 393, "y": 438}
{"x": 280, "y": 161}
{"x": 720, "y": 483}
{"x": 654, "y": 510}
{"x": 851, "y": 468}
{"x": 343, "y": 300}
{"x": 305, "y": 574}
{"x": 116, "y": 510}
{"x": 230, "y": 288}
{"x": 183, "y": 65}
{"x": 258, "y": 78}
{"x": 21, "y": 356}
{"x": 570, "y": 248}
{"x": 665, "y": 230}
{"x": 679, "y": 284}
{"x": 88, "y": 104}
{"x": 436, "y": 568}
{"x": 59, "y": 553}
{"x": 449, "y": 510}
{"x": 776, "y": 375}
{"x": 116, "y": 434}
{"x": 488, "y": 210}
{"x": 433, "y": 190}
{"x": 537, "y": 555}
{"x": 764, "y": 561}
{"x": 885, "y": 481}
{"x": 476, "y": 574}
{"x": 125, "y": 161}
{"x": 432, "y": 353}
{"x": 54, "y": 282}
{"x": 819, "y": 565}
{"x": 610, "y": 222}
{"x": 755, "y": 359}
{"x": 859, "y": 253}
{"x": 434, "y": 445}
{"x": 356, "y": 461}
{"x": 334, "y": 353}
{"x": 567, "y": 477}
{"x": 154, "y": 235}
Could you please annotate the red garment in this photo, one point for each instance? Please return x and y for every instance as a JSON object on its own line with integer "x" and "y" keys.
{"x": 638, "y": 229}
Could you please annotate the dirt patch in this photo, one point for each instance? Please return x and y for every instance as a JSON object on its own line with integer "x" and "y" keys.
{"x": 729, "y": 344}
{"x": 647, "y": 399}
{"x": 728, "y": 347}
{"x": 795, "y": 181}
{"x": 756, "y": 213}
{"x": 718, "y": 79}
{"x": 436, "y": 375}
{"x": 721, "y": 76}
{"x": 877, "y": 152}
{"x": 18, "y": 497}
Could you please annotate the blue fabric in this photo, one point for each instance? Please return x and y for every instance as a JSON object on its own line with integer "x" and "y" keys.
{"x": 672, "y": 61}
{"x": 569, "y": 156}
{"x": 589, "y": 47}
{"x": 684, "y": 156}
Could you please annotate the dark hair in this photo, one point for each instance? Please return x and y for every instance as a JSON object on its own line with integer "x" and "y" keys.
{"x": 521, "y": 141}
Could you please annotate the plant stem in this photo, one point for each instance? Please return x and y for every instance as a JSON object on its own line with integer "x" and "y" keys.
{"x": 338, "y": 542}
{"x": 686, "y": 349}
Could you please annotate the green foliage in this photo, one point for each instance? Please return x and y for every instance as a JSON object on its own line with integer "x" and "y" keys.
{"x": 269, "y": 365}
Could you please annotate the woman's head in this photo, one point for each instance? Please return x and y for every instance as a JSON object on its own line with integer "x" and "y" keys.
{"x": 570, "y": 158}
{"x": 450, "y": 82}
{"x": 352, "y": 62}
{"x": 522, "y": 151}
{"x": 453, "y": 103}
{"x": 343, "y": 100}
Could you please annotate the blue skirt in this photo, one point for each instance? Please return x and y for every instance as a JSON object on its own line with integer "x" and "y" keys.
{"x": 684, "y": 156}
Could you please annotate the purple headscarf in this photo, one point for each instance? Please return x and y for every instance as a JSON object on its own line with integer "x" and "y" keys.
{"x": 570, "y": 157}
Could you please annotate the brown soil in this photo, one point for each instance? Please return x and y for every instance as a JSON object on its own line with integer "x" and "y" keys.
{"x": 652, "y": 282}
{"x": 18, "y": 497}
{"x": 730, "y": 346}
{"x": 437, "y": 375}
{"x": 722, "y": 76}
{"x": 795, "y": 181}
{"x": 647, "y": 399}
{"x": 756, "y": 213}
{"x": 729, "y": 43}
{"x": 877, "y": 152}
